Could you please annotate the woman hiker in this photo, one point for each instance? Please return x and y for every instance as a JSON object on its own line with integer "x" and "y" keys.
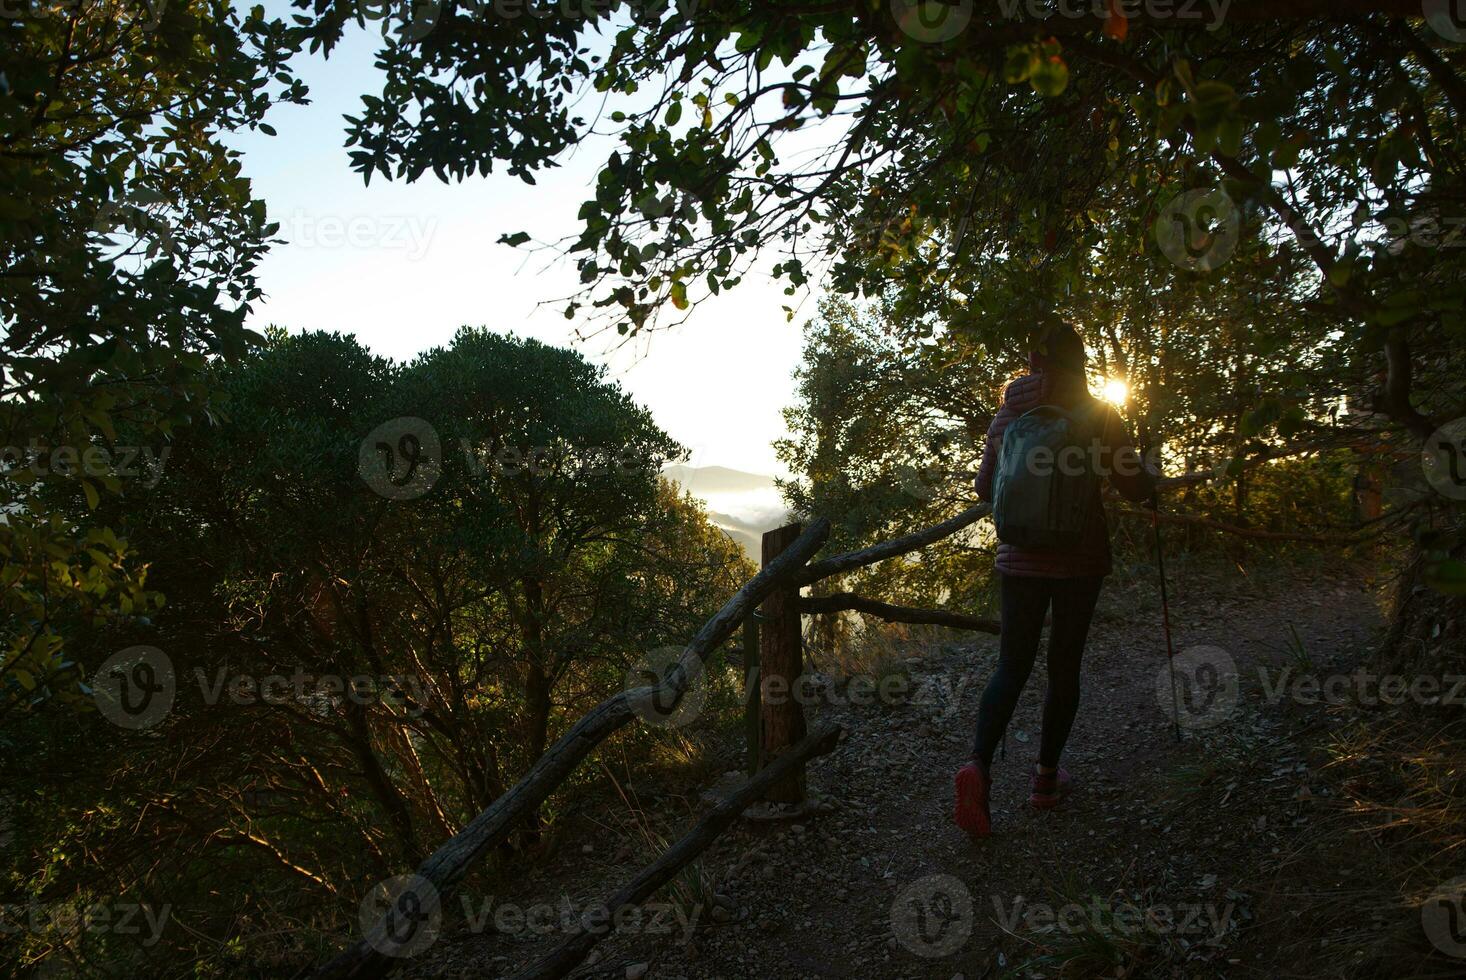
{"x": 1033, "y": 580}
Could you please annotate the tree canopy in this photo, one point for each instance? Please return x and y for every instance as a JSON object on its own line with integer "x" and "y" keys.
{"x": 948, "y": 164}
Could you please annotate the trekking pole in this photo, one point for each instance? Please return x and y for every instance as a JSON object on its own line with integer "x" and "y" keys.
{"x": 1160, "y": 561}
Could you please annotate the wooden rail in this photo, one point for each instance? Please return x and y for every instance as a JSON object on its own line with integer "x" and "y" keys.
{"x": 843, "y": 601}
{"x": 779, "y": 766}
{"x": 371, "y": 956}
{"x": 654, "y": 876}
{"x": 780, "y": 661}
{"x": 851, "y": 560}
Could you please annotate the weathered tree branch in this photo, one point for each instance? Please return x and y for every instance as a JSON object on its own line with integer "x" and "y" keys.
{"x": 446, "y": 866}
{"x": 842, "y": 601}
{"x": 569, "y": 953}
{"x": 1393, "y": 397}
{"x": 1440, "y": 70}
{"x": 851, "y": 560}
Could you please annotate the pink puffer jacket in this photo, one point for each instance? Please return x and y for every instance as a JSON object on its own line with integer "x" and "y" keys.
{"x": 1119, "y": 462}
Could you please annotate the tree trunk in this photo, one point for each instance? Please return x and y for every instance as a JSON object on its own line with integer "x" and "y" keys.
{"x": 398, "y": 814}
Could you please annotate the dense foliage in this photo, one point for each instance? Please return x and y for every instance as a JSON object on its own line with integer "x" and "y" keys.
{"x": 354, "y": 675}
{"x": 128, "y": 241}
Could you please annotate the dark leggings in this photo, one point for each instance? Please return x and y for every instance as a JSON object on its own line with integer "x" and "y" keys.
{"x": 1025, "y": 601}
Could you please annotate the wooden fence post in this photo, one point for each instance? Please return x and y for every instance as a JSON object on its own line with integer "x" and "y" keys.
{"x": 781, "y": 663}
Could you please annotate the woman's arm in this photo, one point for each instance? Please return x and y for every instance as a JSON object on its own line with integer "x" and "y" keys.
{"x": 1128, "y": 473}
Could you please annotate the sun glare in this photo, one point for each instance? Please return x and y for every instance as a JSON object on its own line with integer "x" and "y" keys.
{"x": 1115, "y": 391}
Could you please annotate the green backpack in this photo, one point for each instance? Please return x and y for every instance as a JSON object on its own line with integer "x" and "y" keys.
{"x": 1044, "y": 498}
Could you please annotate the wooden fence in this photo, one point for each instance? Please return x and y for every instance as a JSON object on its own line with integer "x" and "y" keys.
{"x": 779, "y": 746}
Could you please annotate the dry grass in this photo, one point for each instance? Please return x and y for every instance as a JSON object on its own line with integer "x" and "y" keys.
{"x": 1090, "y": 945}
{"x": 880, "y": 650}
{"x": 1360, "y": 876}
{"x": 1406, "y": 783}
{"x": 691, "y": 891}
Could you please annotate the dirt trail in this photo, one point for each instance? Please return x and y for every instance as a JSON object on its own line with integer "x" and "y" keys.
{"x": 1163, "y": 851}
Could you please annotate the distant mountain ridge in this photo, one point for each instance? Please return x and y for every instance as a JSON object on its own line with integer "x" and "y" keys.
{"x": 735, "y": 523}
{"x": 722, "y": 489}
{"x": 716, "y": 479}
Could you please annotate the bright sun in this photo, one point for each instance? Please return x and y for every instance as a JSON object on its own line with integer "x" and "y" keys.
{"x": 1115, "y": 391}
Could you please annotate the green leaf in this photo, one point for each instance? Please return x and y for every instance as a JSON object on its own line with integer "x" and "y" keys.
{"x": 1229, "y": 135}
{"x": 103, "y": 422}
{"x": 1447, "y": 577}
{"x": 1213, "y": 93}
{"x": 1285, "y": 157}
{"x": 1022, "y": 61}
{"x": 1051, "y": 77}
{"x": 748, "y": 40}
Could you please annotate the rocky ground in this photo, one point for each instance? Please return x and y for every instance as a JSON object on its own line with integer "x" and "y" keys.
{"x": 1165, "y": 862}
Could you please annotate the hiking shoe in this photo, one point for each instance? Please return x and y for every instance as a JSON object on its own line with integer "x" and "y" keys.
{"x": 973, "y": 787}
{"x": 1047, "y": 790}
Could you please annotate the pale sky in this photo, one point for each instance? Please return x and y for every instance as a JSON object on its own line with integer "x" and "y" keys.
{"x": 402, "y": 266}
